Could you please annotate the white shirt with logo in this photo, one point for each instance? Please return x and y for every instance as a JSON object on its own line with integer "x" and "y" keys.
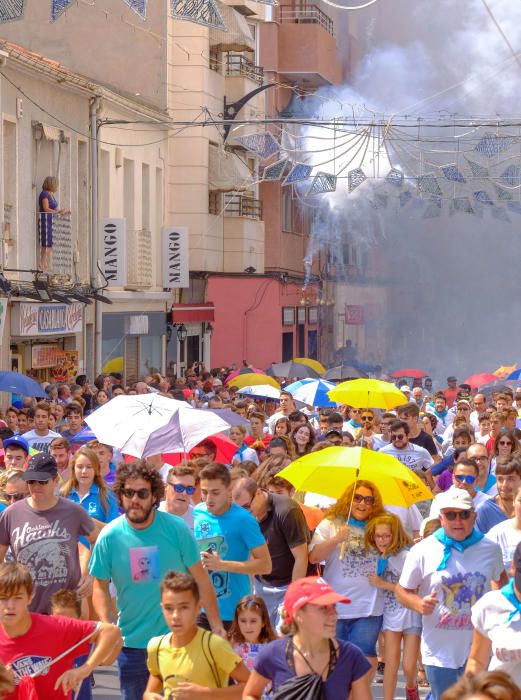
{"x": 413, "y": 456}
{"x": 40, "y": 443}
{"x": 507, "y": 536}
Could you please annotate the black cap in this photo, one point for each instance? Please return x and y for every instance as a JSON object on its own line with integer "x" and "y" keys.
{"x": 517, "y": 566}
{"x": 41, "y": 467}
{"x": 333, "y": 431}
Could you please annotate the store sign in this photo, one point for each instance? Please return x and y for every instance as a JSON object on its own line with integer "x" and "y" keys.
{"x": 43, "y": 356}
{"x": 354, "y": 315}
{"x": 175, "y": 257}
{"x": 136, "y": 325}
{"x": 29, "y": 320}
{"x": 113, "y": 251}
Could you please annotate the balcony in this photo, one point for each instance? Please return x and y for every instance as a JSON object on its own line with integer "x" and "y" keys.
{"x": 237, "y": 65}
{"x": 139, "y": 259}
{"x": 307, "y": 50}
{"x": 62, "y": 260}
{"x": 238, "y": 205}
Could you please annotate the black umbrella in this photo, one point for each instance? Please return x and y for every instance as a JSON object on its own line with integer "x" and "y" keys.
{"x": 292, "y": 370}
{"x": 343, "y": 372}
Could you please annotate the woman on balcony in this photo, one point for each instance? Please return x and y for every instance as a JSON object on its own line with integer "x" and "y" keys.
{"x": 47, "y": 209}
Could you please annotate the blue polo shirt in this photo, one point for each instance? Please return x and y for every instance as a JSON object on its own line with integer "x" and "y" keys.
{"x": 92, "y": 504}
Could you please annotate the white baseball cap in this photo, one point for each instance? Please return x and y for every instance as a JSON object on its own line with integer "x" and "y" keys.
{"x": 455, "y": 498}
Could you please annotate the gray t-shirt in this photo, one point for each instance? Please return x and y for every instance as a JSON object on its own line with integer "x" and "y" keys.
{"x": 46, "y": 541}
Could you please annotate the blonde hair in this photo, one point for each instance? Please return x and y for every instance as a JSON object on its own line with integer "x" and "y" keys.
{"x": 72, "y": 483}
{"x": 399, "y": 540}
{"x": 342, "y": 507}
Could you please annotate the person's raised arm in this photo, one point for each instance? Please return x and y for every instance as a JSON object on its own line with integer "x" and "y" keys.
{"x": 258, "y": 565}
{"x": 101, "y": 599}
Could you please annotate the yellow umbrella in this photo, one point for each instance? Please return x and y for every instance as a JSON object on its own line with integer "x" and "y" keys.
{"x": 253, "y": 379}
{"x": 116, "y": 364}
{"x": 368, "y": 393}
{"x": 314, "y": 364}
{"x": 330, "y": 471}
{"x": 504, "y": 371}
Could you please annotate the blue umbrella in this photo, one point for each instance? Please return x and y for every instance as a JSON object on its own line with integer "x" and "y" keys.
{"x": 16, "y": 383}
{"x": 516, "y": 374}
{"x": 312, "y": 392}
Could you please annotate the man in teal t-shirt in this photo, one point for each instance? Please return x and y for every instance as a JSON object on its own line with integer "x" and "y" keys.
{"x": 230, "y": 541}
{"x": 136, "y": 550}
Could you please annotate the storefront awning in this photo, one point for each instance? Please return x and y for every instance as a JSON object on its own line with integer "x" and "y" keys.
{"x": 238, "y": 36}
{"x": 227, "y": 171}
{"x": 193, "y": 313}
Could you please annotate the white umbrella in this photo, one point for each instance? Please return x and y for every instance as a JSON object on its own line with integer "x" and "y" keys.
{"x": 262, "y": 391}
{"x": 148, "y": 424}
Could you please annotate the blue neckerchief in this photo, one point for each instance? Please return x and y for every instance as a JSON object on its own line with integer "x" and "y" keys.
{"x": 510, "y": 595}
{"x": 449, "y": 543}
{"x": 381, "y": 566}
{"x": 240, "y": 451}
{"x": 356, "y": 523}
{"x": 489, "y": 484}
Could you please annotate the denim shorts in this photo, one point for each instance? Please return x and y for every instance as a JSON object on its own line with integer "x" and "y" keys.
{"x": 361, "y": 631}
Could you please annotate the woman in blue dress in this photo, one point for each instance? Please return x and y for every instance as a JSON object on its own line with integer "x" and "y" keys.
{"x": 47, "y": 209}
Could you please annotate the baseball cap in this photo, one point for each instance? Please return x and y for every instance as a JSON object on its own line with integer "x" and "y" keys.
{"x": 455, "y": 498}
{"x": 405, "y": 388}
{"x": 333, "y": 431}
{"x": 517, "y": 566}
{"x": 463, "y": 401}
{"x": 41, "y": 467}
{"x": 16, "y": 441}
{"x": 312, "y": 590}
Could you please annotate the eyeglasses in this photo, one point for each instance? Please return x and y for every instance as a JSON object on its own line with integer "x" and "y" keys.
{"x": 505, "y": 443}
{"x": 368, "y": 500}
{"x": 383, "y": 536}
{"x": 14, "y": 496}
{"x": 452, "y": 515}
{"x": 142, "y": 494}
{"x": 465, "y": 478}
{"x": 401, "y": 436}
{"x": 180, "y": 488}
{"x": 367, "y": 418}
{"x": 31, "y": 482}
{"x": 483, "y": 458}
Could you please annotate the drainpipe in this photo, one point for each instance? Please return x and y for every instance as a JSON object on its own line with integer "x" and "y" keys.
{"x": 94, "y": 254}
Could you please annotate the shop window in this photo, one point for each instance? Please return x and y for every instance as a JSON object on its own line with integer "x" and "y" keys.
{"x": 287, "y": 346}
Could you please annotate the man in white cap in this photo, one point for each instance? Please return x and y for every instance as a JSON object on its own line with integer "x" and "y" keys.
{"x": 444, "y": 575}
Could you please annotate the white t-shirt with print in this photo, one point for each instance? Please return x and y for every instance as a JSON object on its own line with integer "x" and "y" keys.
{"x": 349, "y": 576}
{"x": 489, "y": 617}
{"x": 478, "y": 499}
{"x": 396, "y": 617}
{"x": 507, "y": 536}
{"x": 413, "y": 456}
{"x": 447, "y": 632}
{"x": 40, "y": 443}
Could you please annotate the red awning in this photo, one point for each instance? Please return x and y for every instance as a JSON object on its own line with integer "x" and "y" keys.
{"x": 192, "y": 313}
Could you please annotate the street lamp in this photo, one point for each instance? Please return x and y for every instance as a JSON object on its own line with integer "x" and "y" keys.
{"x": 181, "y": 333}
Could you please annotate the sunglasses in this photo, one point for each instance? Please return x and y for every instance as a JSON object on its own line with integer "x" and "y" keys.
{"x": 367, "y": 418}
{"x": 31, "y": 482}
{"x": 368, "y": 500}
{"x": 452, "y": 515}
{"x": 142, "y": 494}
{"x": 401, "y": 436}
{"x": 505, "y": 443}
{"x": 462, "y": 478}
{"x": 179, "y": 488}
{"x": 14, "y": 496}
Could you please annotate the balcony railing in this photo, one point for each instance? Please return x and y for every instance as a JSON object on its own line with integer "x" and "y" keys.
{"x": 62, "y": 260}
{"x": 238, "y": 65}
{"x": 139, "y": 259}
{"x": 238, "y": 205}
{"x": 309, "y": 14}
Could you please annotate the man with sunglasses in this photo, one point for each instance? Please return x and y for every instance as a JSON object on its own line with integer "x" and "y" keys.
{"x": 367, "y": 431}
{"x": 15, "y": 488}
{"x": 42, "y": 532}
{"x": 464, "y": 476}
{"x": 135, "y": 551}
{"x": 413, "y": 456}
{"x": 181, "y": 484}
{"x": 444, "y": 575}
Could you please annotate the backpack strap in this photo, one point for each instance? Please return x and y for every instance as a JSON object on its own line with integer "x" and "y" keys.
{"x": 211, "y": 662}
{"x": 153, "y": 652}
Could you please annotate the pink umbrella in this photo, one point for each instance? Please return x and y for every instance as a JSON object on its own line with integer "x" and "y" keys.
{"x": 477, "y": 380}
{"x": 225, "y": 451}
{"x": 412, "y": 373}
{"x": 243, "y": 370}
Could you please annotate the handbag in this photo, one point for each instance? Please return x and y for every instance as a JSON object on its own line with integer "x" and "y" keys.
{"x": 310, "y": 686}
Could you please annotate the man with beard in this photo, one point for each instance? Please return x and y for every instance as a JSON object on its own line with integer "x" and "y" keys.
{"x": 143, "y": 537}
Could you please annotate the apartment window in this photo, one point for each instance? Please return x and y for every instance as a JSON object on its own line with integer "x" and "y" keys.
{"x": 287, "y": 346}
{"x": 215, "y": 60}
{"x": 286, "y": 209}
{"x": 312, "y": 352}
{"x": 214, "y": 202}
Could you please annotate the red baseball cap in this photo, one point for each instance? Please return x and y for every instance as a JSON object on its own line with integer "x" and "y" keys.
{"x": 310, "y": 590}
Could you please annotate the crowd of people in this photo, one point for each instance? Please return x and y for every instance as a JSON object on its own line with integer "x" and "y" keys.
{"x": 254, "y": 590}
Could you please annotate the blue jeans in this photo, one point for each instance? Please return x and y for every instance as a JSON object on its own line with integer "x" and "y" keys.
{"x": 133, "y": 673}
{"x": 361, "y": 631}
{"x": 273, "y": 597}
{"x": 441, "y": 678}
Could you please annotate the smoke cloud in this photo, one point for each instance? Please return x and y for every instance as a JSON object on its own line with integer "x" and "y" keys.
{"x": 453, "y": 279}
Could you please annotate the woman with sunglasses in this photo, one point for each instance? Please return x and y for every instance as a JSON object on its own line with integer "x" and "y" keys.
{"x": 86, "y": 487}
{"x": 339, "y": 541}
{"x": 180, "y": 492}
{"x": 505, "y": 444}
